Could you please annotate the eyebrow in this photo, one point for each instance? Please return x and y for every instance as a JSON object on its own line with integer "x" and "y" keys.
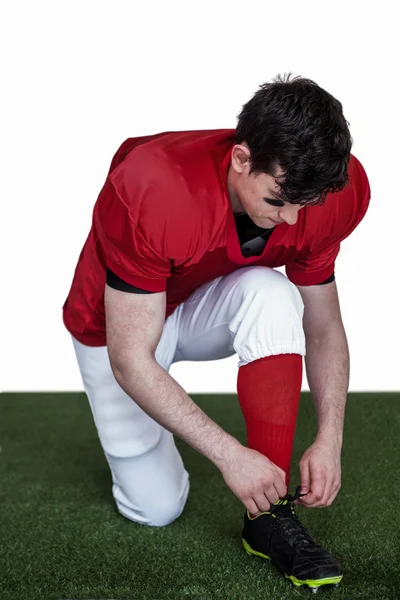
{"x": 274, "y": 202}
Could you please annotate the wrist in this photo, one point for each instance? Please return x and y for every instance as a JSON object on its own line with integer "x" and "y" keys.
{"x": 225, "y": 452}
{"x": 332, "y": 436}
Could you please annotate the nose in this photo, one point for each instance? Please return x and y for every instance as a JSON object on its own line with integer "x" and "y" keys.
{"x": 289, "y": 213}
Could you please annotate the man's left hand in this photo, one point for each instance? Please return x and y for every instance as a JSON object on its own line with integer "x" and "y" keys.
{"x": 320, "y": 472}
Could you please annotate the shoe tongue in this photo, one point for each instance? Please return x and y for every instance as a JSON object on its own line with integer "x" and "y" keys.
{"x": 295, "y": 531}
{"x": 283, "y": 505}
{"x": 286, "y": 503}
{"x": 289, "y": 499}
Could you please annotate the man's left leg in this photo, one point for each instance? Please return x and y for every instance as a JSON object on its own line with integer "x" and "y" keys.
{"x": 257, "y": 313}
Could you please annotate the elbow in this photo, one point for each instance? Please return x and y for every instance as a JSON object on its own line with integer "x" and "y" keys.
{"x": 130, "y": 368}
{"x": 332, "y": 333}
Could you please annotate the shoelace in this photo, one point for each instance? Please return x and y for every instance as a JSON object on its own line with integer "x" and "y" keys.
{"x": 290, "y": 524}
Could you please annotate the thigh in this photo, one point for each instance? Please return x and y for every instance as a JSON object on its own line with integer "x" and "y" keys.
{"x": 152, "y": 488}
{"x": 124, "y": 429}
{"x": 204, "y": 332}
{"x": 150, "y": 482}
{"x": 251, "y": 302}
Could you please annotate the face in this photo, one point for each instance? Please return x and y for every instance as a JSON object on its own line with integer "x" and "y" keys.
{"x": 257, "y": 194}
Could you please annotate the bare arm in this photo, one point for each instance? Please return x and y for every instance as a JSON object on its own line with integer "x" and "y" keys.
{"x": 327, "y": 364}
{"x": 327, "y": 357}
{"x": 134, "y": 323}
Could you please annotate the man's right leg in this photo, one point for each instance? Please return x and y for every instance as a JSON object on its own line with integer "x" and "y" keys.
{"x": 150, "y": 483}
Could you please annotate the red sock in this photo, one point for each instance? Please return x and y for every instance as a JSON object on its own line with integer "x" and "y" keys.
{"x": 269, "y": 393}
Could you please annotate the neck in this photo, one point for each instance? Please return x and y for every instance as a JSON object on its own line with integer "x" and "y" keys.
{"x": 237, "y": 207}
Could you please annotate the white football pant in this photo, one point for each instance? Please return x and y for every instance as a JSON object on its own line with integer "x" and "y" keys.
{"x": 254, "y": 312}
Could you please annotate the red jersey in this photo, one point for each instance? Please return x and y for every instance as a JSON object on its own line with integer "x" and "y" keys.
{"x": 164, "y": 222}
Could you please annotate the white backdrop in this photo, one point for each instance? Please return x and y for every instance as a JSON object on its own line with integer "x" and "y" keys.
{"x": 79, "y": 77}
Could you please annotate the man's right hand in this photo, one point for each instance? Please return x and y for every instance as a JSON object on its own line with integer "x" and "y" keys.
{"x": 254, "y": 479}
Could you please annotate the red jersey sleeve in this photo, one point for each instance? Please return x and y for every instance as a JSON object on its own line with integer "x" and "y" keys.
{"x": 125, "y": 247}
{"x": 328, "y": 225}
{"x": 144, "y": 220}
{"x": 314, "y": 268}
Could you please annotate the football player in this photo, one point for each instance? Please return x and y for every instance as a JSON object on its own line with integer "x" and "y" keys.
{"x": 180, "y": 264}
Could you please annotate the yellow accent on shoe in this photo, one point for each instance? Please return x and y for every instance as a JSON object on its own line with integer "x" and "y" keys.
{"x": 263, "y": 513}
{"x": 314, "y": 582}
{"x": 252, "y": 552}
{"x": 278, "y": 503}
{"x": 294, "y": 580}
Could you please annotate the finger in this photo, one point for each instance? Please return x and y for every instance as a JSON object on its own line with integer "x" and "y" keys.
{"x": 263, "y": 502}
{"x": 317, "y": 488}
{"x": 280, "y": 487}
{"x": 252, "y": 508}
{"x": 321, "y": 492}
{"x": 333, "y": 495}
{"x": 273, "y": 494}
{"x": 305, "y": 476}
{"x": 329, "y": 487}
{"x": 331, "y": 490}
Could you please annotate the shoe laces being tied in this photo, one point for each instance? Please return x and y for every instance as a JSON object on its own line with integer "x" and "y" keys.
{"x": 289, "y": 523}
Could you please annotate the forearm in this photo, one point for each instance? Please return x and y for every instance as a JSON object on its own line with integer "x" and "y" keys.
{"x": 163, "y": 399}
{"x": 327, "y": 365}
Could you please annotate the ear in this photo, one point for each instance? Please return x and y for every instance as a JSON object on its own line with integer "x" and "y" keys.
{"x": 240, "y": 158}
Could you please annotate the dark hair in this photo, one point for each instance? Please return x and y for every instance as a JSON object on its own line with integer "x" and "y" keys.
{"x": 296, "y": 125}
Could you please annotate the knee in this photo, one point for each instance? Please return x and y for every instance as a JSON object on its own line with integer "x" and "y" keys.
{"x": 164, "y": 514}
{"x": 158, "y": 512}
{"x": 269, "y": 318}
{"x": 270, "y": 289}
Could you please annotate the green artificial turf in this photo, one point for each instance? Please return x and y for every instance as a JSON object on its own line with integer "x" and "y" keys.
{"x": 62, "y": 537}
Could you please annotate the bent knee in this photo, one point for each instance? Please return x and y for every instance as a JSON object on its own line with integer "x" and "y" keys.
{"x": 165, "y": 515}
{"x": 159, "y": 514}
{"x": 269, "y": 320}
{"x": 271, "y": 283}
{"x": 270, "y": 296}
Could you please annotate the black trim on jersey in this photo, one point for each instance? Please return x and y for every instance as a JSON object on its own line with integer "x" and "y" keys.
{"x": 247, "y": 230}
{"x": 119, "y": 284}
{"x": 329, "y": 280}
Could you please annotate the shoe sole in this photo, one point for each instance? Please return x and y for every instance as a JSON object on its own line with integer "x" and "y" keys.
{"x": 312, "y": 583}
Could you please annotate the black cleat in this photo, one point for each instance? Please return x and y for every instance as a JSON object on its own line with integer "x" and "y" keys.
{"x": 278, "y": 535}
